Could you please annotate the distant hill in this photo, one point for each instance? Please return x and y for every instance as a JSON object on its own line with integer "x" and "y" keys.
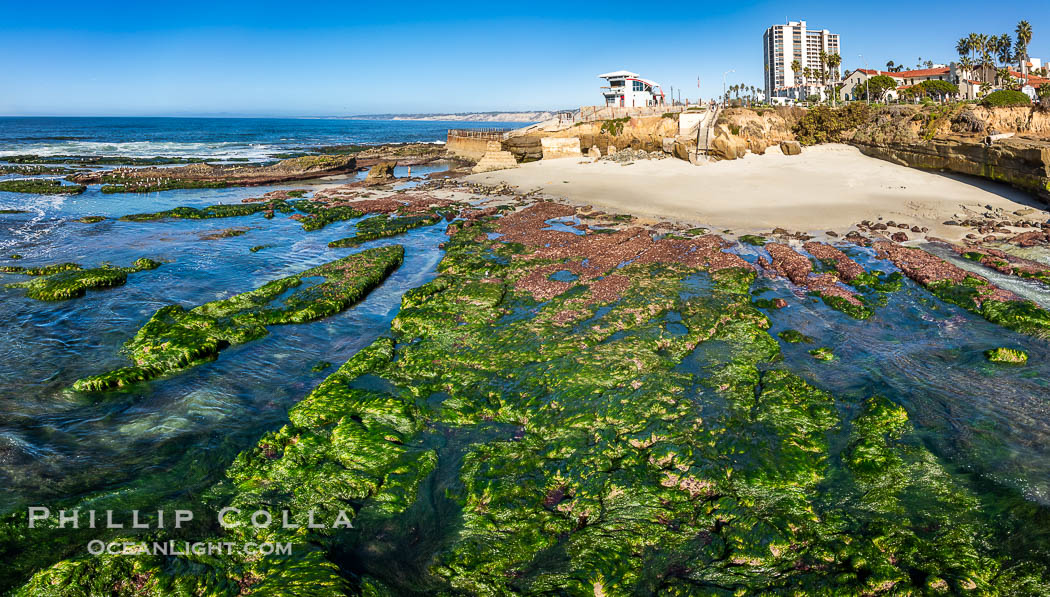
{"x": 467, "y": 117}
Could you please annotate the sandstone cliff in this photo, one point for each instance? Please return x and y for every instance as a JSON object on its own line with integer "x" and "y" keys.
{"x": 955, "y": 139}
{"x": 636, "y": 133}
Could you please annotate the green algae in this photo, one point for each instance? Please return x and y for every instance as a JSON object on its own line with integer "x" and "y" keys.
{"x": 838, "y": 303}
{"x": 116, "y": 184}
{"x": 753, "y": 240}
{"x": 795, "y": 337}
{"x": 176, "y": 338}
{"x": 41, "y": 270}
{"x": 764, "y": 303}
{"x": 320, "y": 366}
{"x": 822, "y": 354}
{"x": 619, "y": 472}
{"x": 40, "y": 186}
{"x": 878, "y": 281}
{"x": 68, "y": 280}
{"x": 91, "y": 219}
{"x": 222, "y": 210}
{"x": 383, "y": 226}
{"x": 317, "y": 215}
{"x": 1006, "y": 355}
{"x": 258, "y": 248}
{"x": 972, "y": 294}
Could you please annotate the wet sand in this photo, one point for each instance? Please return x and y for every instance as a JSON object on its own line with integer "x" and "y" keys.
{"x": 827, "y": 187}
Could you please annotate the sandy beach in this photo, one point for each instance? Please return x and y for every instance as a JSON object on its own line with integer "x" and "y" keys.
{"x": 827, "y": 187}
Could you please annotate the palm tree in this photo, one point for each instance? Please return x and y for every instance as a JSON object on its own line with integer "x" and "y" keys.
{"x": 974, "y": 42}
{"x": 1002, "y": 76}
{"x": 1024, "y": 37}
{"x": 962, "y": 46}
{"x": 1004, "y": 48}
{"x": 889, "y": 66}
{"x": 834, "y": 61}
{"x": 796, "y": 68}
{"x": 984, "y": 48}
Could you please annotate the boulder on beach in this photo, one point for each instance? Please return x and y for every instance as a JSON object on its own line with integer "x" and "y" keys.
{"x": 790, "y": 147}
{"x": 728, "y": 147}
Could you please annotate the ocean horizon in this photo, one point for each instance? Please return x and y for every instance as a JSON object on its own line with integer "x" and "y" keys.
{"x": 219, "y": 138}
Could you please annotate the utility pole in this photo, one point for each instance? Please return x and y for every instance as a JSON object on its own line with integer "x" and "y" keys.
{"x": 867, "y": 80}
{"x": 725, "y": 97}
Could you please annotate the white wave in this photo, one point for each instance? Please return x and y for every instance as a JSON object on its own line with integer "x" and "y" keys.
{"x": 146, "y": 149}
{"x": 39, "y": 223}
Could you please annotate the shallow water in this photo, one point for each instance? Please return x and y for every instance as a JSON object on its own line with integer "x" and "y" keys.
{"x": 57, "y": 444}
{"x": 928, "y": 356}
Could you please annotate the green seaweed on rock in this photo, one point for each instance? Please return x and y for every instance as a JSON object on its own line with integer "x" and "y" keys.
{"x": 383, "y": 226}
{"x": 1007, "y": 355}
{"x": 611, "y": 469}
{"x": 222, "y": 210}
{"x": 41, "y": 186}
{"x": 68, "y": 280}
{"x": 795, "y": 337}
{"x": 176, "y": 338}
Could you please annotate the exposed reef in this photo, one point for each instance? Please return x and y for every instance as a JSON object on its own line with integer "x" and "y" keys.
{"x": 203, "y": 175}
{"x": 796, "y": 267}
{"x": 68, "y": 280}
{"x": 40, "y": 186}
{"x": 175, "y": 338}
{"x": 383, "y": 226}
{"x": 967, "y": 290}
{"x": 1012, "y": 356}
{"x": 574, "y": 413}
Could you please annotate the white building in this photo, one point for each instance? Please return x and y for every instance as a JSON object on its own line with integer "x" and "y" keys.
{"x": 629, "y": 90}
{"x": 783, "y": 44}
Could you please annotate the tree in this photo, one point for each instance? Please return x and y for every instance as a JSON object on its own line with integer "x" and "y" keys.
{"x": 937, "y": 88}
{"x": 1044, "y": 90}
{"x": 962, "y": 47}
{"x": 889, "y": 66}
{"x": 796, "y": 70}
{"x": 1002, "y": 76}
{"x": 877, "y": 87}
{"x": 1004, "y": 48}
{"x": 966, "y": 66}
{"x": 974, "y": 42}
{"x": 1024, "y": 37}
{"x": 834, "y": 61}
{"x": 985, "y": 48}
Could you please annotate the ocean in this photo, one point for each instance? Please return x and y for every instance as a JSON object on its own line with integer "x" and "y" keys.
{"x": 214, "y": 138}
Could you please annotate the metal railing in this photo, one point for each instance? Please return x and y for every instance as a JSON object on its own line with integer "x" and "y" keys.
{"x": 493, "y": 134}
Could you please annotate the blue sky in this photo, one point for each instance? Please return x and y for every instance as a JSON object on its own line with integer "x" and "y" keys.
{"x": 317, "y": 58}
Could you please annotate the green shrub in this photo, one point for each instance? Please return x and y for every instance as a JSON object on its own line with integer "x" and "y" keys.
{"x": 614, "y": 126}
{"x": 1006, "y": 97}
{"x": 822, "y": 124}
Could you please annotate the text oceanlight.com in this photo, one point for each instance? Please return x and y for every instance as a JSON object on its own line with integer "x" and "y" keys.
{"x": 98, "y": 547}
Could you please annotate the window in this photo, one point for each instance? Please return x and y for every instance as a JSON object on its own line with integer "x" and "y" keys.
{"x": 639, "y": 86}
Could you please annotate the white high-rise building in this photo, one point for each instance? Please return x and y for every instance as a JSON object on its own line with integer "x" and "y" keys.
{"x": 783, "y": 44}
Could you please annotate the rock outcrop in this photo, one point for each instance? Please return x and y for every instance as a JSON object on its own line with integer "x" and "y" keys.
{"x": 790, "y": 147}
{"x": 955, "y": 140}
{"x": 726, "y": 145}
{"x": 495, "y": 160}
{"x": 208, "y": 175}
{"x": 381, "y": 172}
